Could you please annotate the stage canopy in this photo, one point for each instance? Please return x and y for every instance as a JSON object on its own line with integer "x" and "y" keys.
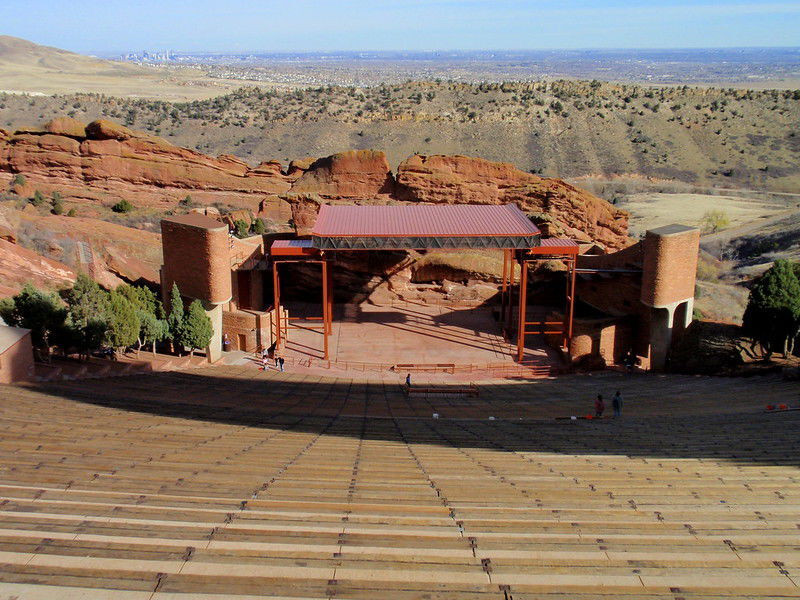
{"x": 422, "y": 227}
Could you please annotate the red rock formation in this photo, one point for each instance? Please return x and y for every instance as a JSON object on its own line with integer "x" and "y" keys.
{"x": 115, "y": 161}
{"x": 355, "y": 174}
{"x": 466, "y": 180}
{"x": 111, "y": 157}
{"x": 19, "y": 266}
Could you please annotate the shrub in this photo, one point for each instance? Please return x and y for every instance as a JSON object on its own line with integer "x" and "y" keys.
{"x": 72, "y": 212}
{"x": 19, "y": 179}
{"x": 258, "y": 227}
{"x": 123, "y": 206}
{"x": 714, "y": 220}
{"x": 242, "y": 228}
{"x": 57, "y": 205}
{"x": 38, "y": 198}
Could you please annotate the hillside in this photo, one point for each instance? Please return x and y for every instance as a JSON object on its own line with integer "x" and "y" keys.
{"x": 726, "y": 137}
{"x": 31, "y": 68}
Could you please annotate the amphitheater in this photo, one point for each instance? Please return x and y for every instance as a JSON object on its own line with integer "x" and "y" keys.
{"x": 229, "y": 482}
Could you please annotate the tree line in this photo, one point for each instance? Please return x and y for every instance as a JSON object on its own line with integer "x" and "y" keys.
{"x": 87, "y": 318}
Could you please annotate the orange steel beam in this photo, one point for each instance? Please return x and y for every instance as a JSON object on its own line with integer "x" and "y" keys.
{"x": 571, "y": 298}
{"x": 330, "y": 299}
{"x": 276, "y": 291}
{"x": 510, "y": 298}
{"x": 325, "y": 308}
{"x": 523, "y": 301}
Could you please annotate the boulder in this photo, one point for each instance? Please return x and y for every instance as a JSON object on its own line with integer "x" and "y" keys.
{"x": 66, "y": 126}
{"x": 103, "y": 129}
{"x": 355, "y": 174}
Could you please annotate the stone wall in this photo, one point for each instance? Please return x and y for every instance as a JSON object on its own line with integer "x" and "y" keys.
{"x": 16, "y": 361}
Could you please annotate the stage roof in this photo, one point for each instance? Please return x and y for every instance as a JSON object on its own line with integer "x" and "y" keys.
{"x": 422, "y": 226}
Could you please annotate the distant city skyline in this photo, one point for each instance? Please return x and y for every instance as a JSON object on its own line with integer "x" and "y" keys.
{"x": 117, "y": 26}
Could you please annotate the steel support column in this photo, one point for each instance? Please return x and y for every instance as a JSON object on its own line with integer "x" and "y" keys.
{"x": 276, "y": 303}
{"x": 325, "y": 309}
{"x": 570, "y": 311}
{"x": 523, "y": 309}
{"x": 510, "y": 295}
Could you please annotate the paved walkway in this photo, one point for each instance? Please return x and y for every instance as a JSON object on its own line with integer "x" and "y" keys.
{"x": 233, "y": 483}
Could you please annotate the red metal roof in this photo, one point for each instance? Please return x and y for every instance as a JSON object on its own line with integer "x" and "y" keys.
{"x": 292, "y": 248}
{"x": 450, "y": 220}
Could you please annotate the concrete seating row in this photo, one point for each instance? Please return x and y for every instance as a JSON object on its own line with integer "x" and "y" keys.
{"x": 229, "y": 483}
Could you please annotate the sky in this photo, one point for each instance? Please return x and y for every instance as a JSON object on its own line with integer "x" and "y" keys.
{"x": 105, "y": 26}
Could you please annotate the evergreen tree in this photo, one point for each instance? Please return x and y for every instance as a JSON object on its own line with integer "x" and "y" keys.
{"x": 85, "y": 300}
{"x": 198, "y": 329}
{"x": 39, "y": 311}
{"x": 87, "y": 308}
{"x": 772, "y": 316}
{"x": 122, "y": 321}
{"x": 151, "y": 329}
{"x": 175, "y": 318}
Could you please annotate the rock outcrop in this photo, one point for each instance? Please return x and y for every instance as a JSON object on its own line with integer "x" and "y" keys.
{"x": 103, "y": 156}
{"x": 19, "y": 266}
{"x": 355, "y": 174}
{"x": 107, "y": 156}
{"x": 566, "y": 209}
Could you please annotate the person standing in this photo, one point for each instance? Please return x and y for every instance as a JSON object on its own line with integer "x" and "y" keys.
{"x": 408, "y": 380}
{"x": 226, "y": 343}
{"x": 599, "y": 406}
{"x": 280, "y": 363}
{"x": 616, "y": 404}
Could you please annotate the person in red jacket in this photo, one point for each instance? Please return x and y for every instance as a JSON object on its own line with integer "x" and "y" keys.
{"x": 599, "y": 406}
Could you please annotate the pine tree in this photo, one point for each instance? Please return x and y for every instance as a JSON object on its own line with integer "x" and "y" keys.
{"x": 198, "y": 329}
{"x": 39, "y": 311}
{"x": 85, "y": 300}
{"x": 122, "y": 320}
{"x": 151, "y": 329}
{"x": 772, "y": 316}
{"x": 175, "y": 318}
{"x": 87, "y": 308}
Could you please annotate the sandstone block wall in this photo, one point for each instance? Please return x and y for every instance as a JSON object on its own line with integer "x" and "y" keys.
{"x": 197, "y": 257}
{"x": 248, "y": 331}
{"x": 16, "y": 361}
{"x": 669, "y": 265}
{"x": 601, "y": 339}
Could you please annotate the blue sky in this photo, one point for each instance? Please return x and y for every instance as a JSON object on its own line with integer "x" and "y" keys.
{"x": 305, "y": 25}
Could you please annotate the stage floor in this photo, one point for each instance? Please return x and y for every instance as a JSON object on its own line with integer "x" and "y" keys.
{"x": 410, "y": 333}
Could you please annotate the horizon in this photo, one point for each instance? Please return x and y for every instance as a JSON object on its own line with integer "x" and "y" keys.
{"x": 410, "y": 26}
{"x": 459, "y": 50}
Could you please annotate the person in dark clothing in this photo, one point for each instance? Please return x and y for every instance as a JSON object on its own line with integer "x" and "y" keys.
{"x": 616, "y": 404}
{"x": 408, "y": 380}
{"x": 280, "y": 363}
{"x": 599, "y": 406}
